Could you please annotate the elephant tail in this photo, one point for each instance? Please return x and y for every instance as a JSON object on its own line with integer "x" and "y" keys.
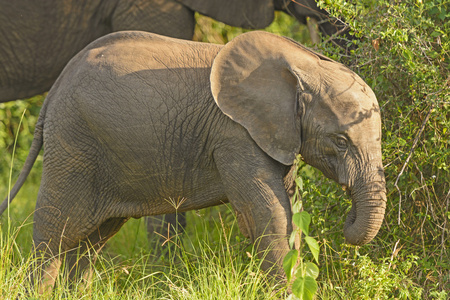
{"x": 36, "y": 146}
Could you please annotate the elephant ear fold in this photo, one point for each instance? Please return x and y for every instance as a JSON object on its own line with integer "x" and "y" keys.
{"x": 251, "y": 14}
{"x": 253, "y": 83}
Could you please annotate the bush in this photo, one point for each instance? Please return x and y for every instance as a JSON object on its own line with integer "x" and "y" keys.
{"x": 402, "y": 51}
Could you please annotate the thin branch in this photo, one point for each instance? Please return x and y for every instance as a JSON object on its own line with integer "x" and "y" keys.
{"x": 336, "y": 34}
{"x": 394, "y": 253}
{"x": 416, "y": 140}
{"x": 447, "y": 199}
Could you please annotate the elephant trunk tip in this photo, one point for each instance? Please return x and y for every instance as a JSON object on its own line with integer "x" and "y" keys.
{"x": 357, "y": 239}
{"x": 364, "y": 221}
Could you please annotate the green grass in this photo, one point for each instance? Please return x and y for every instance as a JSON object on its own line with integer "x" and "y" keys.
{"x": 212, "y": 262}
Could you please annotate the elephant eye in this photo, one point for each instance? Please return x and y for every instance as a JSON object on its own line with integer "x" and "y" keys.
{"x": 341, "y": 142}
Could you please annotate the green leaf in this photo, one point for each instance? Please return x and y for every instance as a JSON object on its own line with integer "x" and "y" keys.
{"x": 297, "y": 206}
{"x": 436, "y": 34}
{"x": 304, "y": 287}
{"x": 292, "y": 238}
{"x": 289, "y": 263}
{"x": 302, "y": 220}
{"x": 299, "y": 183}
{"x": 313, "y": 246}
{"x": 312, "y": 270}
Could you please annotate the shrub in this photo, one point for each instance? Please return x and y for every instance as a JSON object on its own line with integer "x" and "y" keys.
{"x": 402, "y": 51}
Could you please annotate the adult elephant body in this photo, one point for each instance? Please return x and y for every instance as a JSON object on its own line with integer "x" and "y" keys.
{"x": 38, "y": 38}
{"x": 139, "y": 124}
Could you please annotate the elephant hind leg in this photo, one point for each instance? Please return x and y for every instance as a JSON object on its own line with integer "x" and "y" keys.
{"x": 69, "y": 252}
{"x": 78, "y": 259}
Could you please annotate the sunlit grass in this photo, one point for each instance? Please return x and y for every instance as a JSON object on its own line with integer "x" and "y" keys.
{"x": 211, "y": 262}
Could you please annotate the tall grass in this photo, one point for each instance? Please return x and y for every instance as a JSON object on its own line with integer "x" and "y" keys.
{"x": 210, "y": 263}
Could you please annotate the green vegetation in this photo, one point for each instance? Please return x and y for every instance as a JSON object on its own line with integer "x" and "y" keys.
{"x": 404, "y": 55}
{"x": 301, "y": 274}
{"x": 213, "y": 262}
{"x": 402, "y": 52}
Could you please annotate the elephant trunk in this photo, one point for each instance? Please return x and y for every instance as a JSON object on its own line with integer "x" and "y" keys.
{"x": 367, "y": 212}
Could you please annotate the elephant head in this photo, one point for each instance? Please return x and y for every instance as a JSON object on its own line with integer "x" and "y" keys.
{"x": 292, "y": 100}
{"x": 329, "y": 26}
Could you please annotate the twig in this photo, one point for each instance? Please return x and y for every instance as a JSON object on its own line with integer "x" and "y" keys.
{"x": 447, "y": 199}
{"x": 427, "y": 191}
{"x": 407, "y": 160}
{"x": 421, "y": 231}
{"x": 394, "y": 253}
{"x": 337, "y": 33}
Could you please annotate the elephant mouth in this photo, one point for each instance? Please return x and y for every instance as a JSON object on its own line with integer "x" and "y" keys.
{"x": 346, "y": 189}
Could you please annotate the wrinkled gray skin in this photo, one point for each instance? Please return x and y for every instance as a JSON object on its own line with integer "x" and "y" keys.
{"x": 136, "y": 119}
{"x": 38, "y": 38}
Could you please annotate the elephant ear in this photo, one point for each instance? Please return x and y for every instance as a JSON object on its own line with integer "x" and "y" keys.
{"x": 255, "y": 80}
{"x": 251, "y": 14}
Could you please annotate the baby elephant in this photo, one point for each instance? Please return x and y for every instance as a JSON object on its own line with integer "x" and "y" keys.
{"x": 139, "y": 124}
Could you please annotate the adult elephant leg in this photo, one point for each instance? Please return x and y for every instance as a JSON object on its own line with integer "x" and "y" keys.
{"x": 163, "y": 230}
{"x": 255, "y": 188}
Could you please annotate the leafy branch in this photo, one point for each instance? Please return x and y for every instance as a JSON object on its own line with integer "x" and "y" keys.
{"x": 300, "y": 273}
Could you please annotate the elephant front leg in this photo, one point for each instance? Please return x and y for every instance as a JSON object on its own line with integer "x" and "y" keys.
{"x": 258, "y": 195}
{"x": 269, "y": 229}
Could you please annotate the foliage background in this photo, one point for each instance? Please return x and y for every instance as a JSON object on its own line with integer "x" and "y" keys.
{"x": 404, "y": 55}
{"x": 402, "y": 51}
